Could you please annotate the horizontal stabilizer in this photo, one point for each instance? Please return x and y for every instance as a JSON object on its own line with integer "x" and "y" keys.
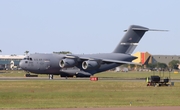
{"x": 145, "y": 29}
{"x": 156, "y": 30}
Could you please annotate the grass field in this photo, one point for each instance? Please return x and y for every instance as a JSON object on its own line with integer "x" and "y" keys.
{"x": 85, "y": 93}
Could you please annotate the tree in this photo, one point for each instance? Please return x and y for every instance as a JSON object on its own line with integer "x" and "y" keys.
{"x": 132, "y": 66}
{"x": 138, "y": 67}
{"x": 173, "y": 64}
{"x": 161, "y": 65}
{"x": 26, "y": 52}
{"x": 125, "y": 65}
{"x": 151, "y": 66}
{"x": 63, "y": 52}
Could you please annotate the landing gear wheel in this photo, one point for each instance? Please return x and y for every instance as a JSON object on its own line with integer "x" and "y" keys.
{"x": 50, "y": 76}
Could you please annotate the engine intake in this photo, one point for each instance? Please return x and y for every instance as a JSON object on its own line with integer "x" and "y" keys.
{"x": 87, "y": 65}
{"x": 66, "y": 63}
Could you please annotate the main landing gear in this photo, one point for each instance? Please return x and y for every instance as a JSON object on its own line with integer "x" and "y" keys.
{"x": 50, "y": 76}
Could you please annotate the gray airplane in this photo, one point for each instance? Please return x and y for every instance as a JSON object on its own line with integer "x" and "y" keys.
{"x": 85, "y": 65}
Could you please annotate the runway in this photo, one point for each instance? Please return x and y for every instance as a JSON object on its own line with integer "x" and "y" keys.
{"x": 71, "y": 78}
{"x": 79, "y": 79}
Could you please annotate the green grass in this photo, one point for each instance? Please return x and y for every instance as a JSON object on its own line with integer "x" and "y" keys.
{"x": 134, "y": 74}
{"x": 15, "y": 73}
{"x": 84, "y": 94}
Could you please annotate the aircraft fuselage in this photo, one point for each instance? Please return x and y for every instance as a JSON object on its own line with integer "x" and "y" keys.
{"x": 49, "y": 63}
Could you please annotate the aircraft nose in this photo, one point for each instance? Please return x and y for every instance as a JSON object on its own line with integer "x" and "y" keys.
{"x": 21, "y": 64}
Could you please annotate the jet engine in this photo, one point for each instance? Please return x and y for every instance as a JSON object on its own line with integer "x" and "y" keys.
{"x": 68, "y": 62}
{"x": 87, "y": 65}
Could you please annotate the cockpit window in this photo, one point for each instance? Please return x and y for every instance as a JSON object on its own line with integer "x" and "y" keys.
{"x": 27, "y": 58}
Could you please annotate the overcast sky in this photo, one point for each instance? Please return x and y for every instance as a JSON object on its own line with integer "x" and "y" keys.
{"x": 87, "y": 26}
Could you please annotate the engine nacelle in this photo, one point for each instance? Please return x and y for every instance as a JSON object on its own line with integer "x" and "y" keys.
{"x": 68, "y": 62}
{"x": 87, "y": 65}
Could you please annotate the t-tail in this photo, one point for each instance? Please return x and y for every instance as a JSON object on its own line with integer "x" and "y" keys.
{"x": 131, "y": 39}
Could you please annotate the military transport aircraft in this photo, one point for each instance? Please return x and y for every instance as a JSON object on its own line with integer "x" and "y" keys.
{"x": 86, "y": 65}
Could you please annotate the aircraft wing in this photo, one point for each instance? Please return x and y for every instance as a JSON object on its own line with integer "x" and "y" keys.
{"x": 103, "y": 60}
{"x": 109, "y": 61}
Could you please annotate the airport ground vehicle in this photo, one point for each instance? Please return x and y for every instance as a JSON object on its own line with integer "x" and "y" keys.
{"x": 156, "y": 80}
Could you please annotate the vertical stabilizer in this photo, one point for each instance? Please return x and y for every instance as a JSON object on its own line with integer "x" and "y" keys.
{"x": 131, "y": 39}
